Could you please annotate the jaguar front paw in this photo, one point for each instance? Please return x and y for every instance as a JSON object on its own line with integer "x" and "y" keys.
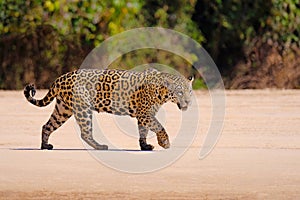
{"x": 46, "y": 146}
{"x": 144, "y": 146}
{"x": 147, "y": 147}
{"x": 164, "y": 143}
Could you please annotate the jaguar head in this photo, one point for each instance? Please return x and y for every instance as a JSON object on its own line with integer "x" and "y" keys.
{"x": 180, "y": 90}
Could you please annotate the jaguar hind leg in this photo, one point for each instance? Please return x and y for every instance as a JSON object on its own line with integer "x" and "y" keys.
{"x": 83, "y": 117}
{"x": 60, "y": 115}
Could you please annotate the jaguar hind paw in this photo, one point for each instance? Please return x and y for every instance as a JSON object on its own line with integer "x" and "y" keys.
{"x": 101, "y": 147}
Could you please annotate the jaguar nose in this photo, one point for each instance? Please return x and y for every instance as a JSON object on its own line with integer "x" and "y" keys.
{"x": 188, "y": 102}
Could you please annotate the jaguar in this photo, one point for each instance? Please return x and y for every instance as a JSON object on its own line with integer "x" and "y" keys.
{"x": 138, "y": 94}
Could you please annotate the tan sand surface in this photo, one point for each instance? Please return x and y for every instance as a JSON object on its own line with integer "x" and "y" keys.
{"x": 256, "y": 157}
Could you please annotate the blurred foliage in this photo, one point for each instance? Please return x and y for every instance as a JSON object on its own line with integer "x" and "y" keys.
{"x": 231, "y": 27}
{"x": 39, "y": 40}
{"x": 243, "y": 37}
{"x": 283, "y": 25}
{"x": 91, "y": 20}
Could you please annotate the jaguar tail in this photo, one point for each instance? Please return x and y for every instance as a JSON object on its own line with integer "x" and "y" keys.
{"x": 42, "y": 102}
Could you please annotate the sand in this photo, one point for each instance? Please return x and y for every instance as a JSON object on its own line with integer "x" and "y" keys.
{"x": 256, "y": 157}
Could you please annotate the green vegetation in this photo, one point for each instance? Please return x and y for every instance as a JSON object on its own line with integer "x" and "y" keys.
{"x": 39, "y": 40}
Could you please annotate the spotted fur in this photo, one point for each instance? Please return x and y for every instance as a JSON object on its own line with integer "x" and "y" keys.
{"x": 119, "y": 92}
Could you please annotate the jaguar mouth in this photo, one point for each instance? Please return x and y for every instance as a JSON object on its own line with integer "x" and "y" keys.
{"x": 183, "y": 108}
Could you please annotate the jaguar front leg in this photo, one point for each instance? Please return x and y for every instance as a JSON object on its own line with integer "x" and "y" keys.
{"x": 151, "y": 123}
{"x": 161, "y": 134}
{"x": 143, "y": 138}
{"x": 163, "y": 139}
